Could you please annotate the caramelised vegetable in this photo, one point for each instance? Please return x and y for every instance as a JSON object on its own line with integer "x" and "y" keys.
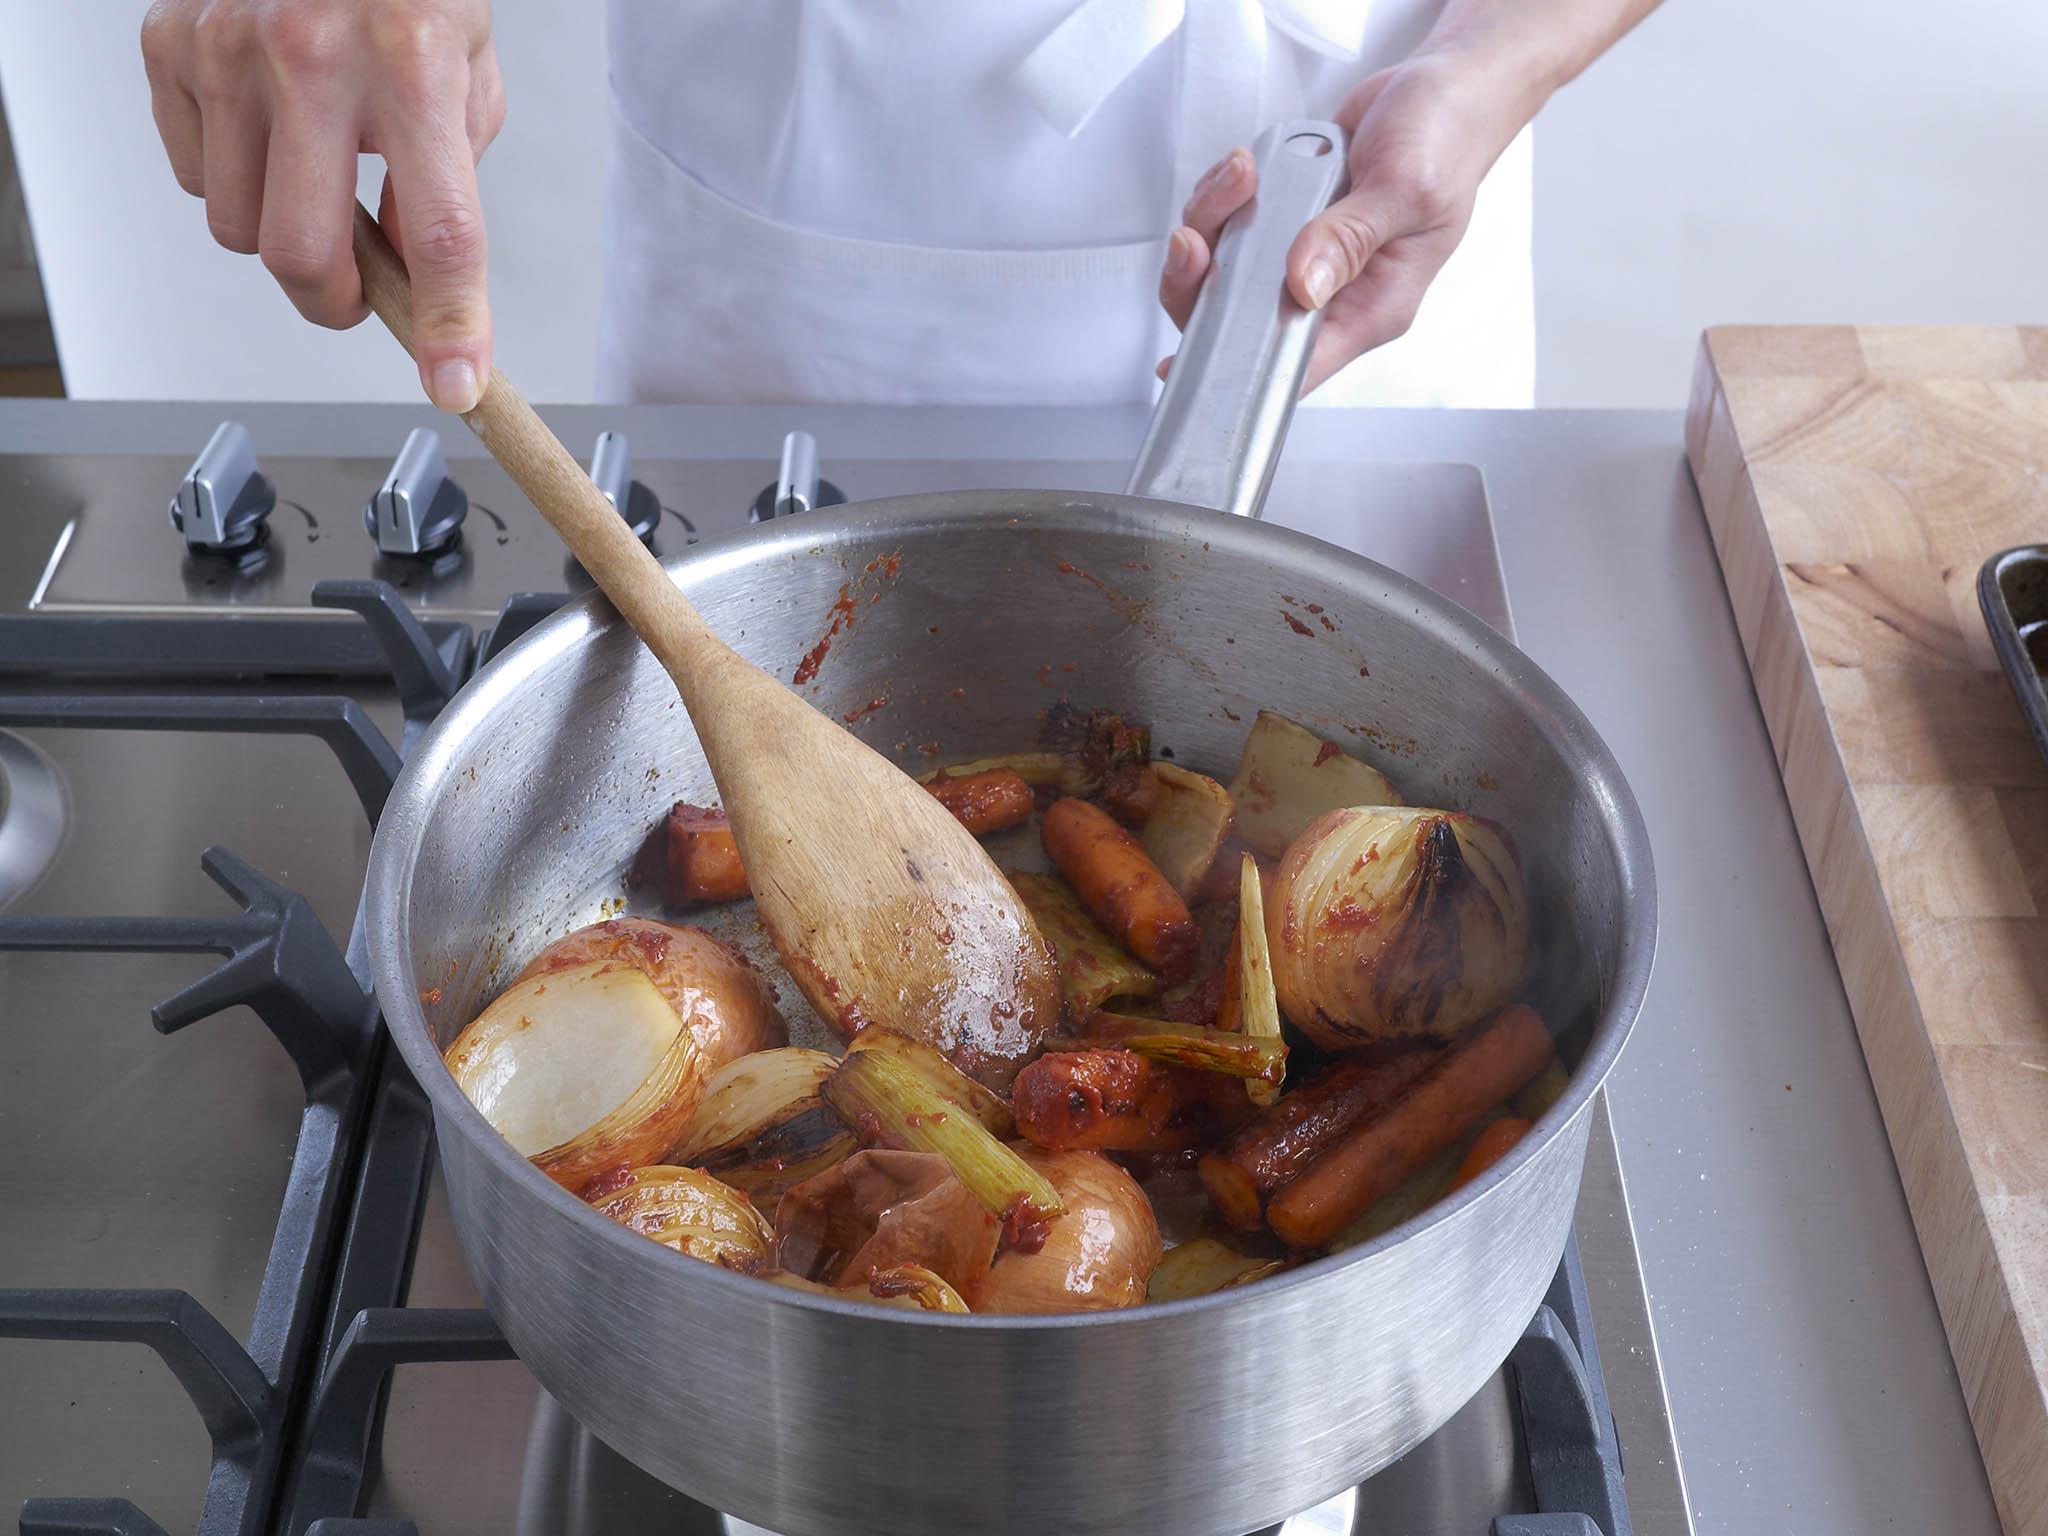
{"x": 583, "y": 1070}
{"x": 1411, "y": 1197}
{"x": 1188, "y": 821}
{"x": 763, "y": 1125}
{"x": 1121, "y": 886}
{"x": 880, "y": 1210}
{"x": 1390, "y": 921}
{"x": 691, "y": 1212}
{"x": 1249, "y": 979}
{"x": 1093, "y": 969}
{"x": 953, "y": 1085}
{"x": 1257, "y": 1059}
{"x": 1282, "y": 1141}
{"x": 1489, "y": 1147}
{"x": 691, "y": 858}
{"x": 720, "y": 998}
{"x": 907, "y": 1287}
{"x": 1203, "y": 1265}
{"x": 1108, "y": 1099}
{"x": 1288, "y": 776}
{"x": 1099, "y": 1255}
{"x": 984, "y": 802}
{"x": 1061, "y": 771}
{"x": 889, "y": 1103}
{"x": 1461, "y": 1086}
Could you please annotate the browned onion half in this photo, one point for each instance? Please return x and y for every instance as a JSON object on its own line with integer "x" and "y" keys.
{"x": 690, "y": 1211}
{"x": 1099, "y": 1254}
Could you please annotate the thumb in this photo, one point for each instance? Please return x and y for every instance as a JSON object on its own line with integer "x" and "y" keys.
{"x": 1333, "y": 247}
{"x": 441, "y": 236}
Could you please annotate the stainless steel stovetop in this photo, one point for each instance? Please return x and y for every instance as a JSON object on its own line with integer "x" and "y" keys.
{"x": 131, "y": 1160}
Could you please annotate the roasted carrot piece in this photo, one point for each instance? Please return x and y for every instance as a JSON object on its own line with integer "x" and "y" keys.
{"x": 1113, "y": 1100}
{"x": 1471, "y": 1077}
{"x": 691, "y": 858}
{"x": 1282, "y": 1140}
{"x": 984, "y": 802}
{"x": 1491, "y": 1145}
{"x": 1110, "y": 872}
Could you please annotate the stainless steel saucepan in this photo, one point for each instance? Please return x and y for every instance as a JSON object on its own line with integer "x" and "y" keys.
{"x": 1207, "y": 1417}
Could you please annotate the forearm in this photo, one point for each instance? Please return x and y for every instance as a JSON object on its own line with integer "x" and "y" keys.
{"x": 1526, "y": 49}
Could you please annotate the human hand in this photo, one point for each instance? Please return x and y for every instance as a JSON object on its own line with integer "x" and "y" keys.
{"x": 264, "y": 105}
{"x": 1423, "y": 133}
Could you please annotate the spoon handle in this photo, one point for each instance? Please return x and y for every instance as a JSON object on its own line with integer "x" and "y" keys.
{"x": 623, "y": 568}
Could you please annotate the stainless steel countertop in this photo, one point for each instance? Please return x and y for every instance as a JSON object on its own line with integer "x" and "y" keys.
{"x": 1809, "y": 1380}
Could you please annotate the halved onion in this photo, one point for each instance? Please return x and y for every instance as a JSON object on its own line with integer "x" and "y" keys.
{"x": 584, "y": 1070}
{"x": 1190, "y": 817}
{"x": 1288, "y": 776}
{"x": 693, "y": 1213}
{"x": 720, "y": 998}
{"x": 1100, "y": 1254}
{"x": 907, "y": 1287}
{"x": 1388, "y": 921}
{"x": 762, "y": 1126}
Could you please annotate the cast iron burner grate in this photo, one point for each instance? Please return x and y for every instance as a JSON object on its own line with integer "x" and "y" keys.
{"x": 295, "y": 1412}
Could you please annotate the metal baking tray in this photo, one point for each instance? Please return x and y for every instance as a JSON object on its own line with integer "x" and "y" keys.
{"x": 2013, "y": 587}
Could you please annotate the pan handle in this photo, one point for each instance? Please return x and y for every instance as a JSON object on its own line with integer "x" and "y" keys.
{"x": 1223, "y": 415}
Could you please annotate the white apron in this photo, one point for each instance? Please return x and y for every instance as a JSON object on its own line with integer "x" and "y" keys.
{"x": 966, "y": 201}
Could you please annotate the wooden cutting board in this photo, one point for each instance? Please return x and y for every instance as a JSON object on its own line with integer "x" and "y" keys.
{"x": 1855, "y": 478}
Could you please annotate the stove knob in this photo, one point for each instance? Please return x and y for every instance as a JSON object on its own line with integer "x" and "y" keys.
{"x": 417, "y": 512}
{"x": 611, "y": 467}
{"x": 797, "y": 487}
{"x": 224, "y": 498}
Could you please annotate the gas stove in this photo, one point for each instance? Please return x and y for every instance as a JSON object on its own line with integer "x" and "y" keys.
{"x": 234, "y": 1302}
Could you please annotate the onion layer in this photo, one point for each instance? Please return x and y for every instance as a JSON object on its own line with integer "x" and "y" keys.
{"x": 693, "y": 1213}
{"x": 1099, "y": 1255}
{"x": 584, "y": 1070}
{"x": 1388, "y": 921}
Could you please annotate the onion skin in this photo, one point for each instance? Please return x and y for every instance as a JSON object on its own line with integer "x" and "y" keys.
{"x": 691, "y": 1212}
{"x": 1388, "y": 921}
{"x": 720, "y": 998}
{"x": 1098, "y": 1256}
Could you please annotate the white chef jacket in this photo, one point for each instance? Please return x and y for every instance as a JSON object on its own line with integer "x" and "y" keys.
{"x": 966, "y": 201}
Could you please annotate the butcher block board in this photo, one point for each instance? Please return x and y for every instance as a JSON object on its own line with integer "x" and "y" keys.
{"x": 1855, "y": 478}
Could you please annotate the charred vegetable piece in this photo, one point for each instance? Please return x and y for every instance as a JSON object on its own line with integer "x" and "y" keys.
{"x": 1203, "y": 1265}
{"x": 693, "y": 1213}
{"x": 1282, "y": 1141}
{"x": 879, "y": 1211}
{"x": 889, "y": 1103}
{"x": 952, "y": 1085}
{"x": 1099, "y": 1255}
{"x": 984, "y": 802}
{"x": 720, "y": 998}
{"x": 1108, "y": 742}
{"x": 1107, "y": 1099}
{"x": 583, "y": 1070}
{"x": 764, "y": 1126}
{"x": 1059, "y": 771}
{"x": 1123, "y": 888}
{"x": 691, "y": 858}
{"x": 1256, "y": 1058}
{"x": 1389, "y": 921}
{"x": 1189, "y": 818}
{"x": 1467, "y": 1082}
{"x": 1093, "y": 968}
{"x": 1249, "y": 980}
{"x": 1288, "y": 776}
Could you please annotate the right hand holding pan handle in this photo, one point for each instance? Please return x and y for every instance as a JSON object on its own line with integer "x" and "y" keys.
{"x": 263, "y": 106}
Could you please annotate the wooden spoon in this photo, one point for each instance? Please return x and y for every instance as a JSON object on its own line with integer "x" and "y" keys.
{"x": 885, "y": 909}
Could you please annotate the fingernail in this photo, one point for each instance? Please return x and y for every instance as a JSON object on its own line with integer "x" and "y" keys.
{"x": 455, "y": 387}
{"x": 1178, "y": 253}
{"x": 1320, "y": 282}
{"x": 1223, "y": 171}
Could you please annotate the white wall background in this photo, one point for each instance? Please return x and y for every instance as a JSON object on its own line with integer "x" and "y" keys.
{"x": 1734, "y": 160}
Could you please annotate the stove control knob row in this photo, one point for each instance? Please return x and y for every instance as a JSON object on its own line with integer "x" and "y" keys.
{"x": 224, "y": 498}
{"x": 611, "y": 467}
{"x": 417, "y": 512}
